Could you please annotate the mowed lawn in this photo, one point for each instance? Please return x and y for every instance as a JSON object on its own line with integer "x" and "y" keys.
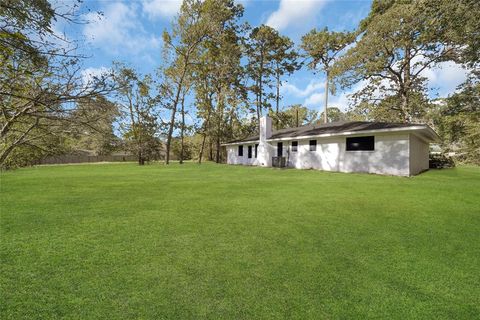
{"x": 119, "y": 241}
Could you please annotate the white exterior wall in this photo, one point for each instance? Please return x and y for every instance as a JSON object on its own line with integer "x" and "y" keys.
{"x": 419, "y": 154}
{"x": 391, "y": 156}
{"x": 401, "y": 154}
{"x": 233, "y": 158}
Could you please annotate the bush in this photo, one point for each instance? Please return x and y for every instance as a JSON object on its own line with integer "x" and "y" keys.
{"x": 440, "y": 161}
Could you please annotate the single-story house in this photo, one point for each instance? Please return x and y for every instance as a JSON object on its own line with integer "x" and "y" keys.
{"x": 375, "y": 147}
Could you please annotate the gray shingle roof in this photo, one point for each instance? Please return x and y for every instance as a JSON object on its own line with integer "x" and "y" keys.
{"x": 331, "y": 128}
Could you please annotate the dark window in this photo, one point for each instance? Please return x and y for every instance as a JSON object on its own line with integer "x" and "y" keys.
{"x": 249, "y": 152}
{"x": 294, "y": 146}
{"x": 240, "y": 151}
{"x": 256, "y": 150}
{"x": 361, "y": 143}
{"x": 279, "y": 149}
{"x": 313, "y": 145}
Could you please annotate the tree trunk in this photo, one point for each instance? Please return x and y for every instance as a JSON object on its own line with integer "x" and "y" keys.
{"x": 202, "y": 148}
{"x": 325, "y": 116}
{"x": 217, "y": 155}
{"x": 407, "y": 115}
{"x": 182, "y": 129}
{"x": 260, "y": 86}
{"x": 139, "y": 133}
{"x": 277, "y": 107}
{"x": 220, "y": 103}
{"x": 134, "y": 127}
{"x": 207, "y": 122}
{"x": 258, "y": 105}
{"x": 210, "y": 156}
{"x": 174, "y": 110}
{"x": 169, "y": 135}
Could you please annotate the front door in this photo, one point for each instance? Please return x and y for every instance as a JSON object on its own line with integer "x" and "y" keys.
{"x": 279, "y": 149}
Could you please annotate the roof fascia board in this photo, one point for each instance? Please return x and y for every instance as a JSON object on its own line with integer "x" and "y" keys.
{"x": 351, "y": 133}
{"x": 414, "y": 129}
{"x": 239, "y": 142}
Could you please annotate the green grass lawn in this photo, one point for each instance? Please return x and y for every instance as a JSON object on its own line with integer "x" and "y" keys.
{"x": 119, "y": 241}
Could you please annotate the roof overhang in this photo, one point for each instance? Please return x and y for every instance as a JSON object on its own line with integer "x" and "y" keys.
{"x": 239, "y": 142}
{"x": 423, "y": 132}
{"x": 426, "y": 131}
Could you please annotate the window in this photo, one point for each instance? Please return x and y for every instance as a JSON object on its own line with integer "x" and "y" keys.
{"x": 249, "y": 152}
{"x": 279, "y": 149}
{"x": 313, "y": 145}
{"x": 240, "y": 151}
{"x": 361, "y": 143}
{"x": 294, "y": 146}
{"x": 256, "y": 150}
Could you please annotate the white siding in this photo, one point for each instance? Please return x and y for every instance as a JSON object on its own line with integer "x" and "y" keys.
{"x": 394, "y": 154}
{"x": 419, "y": 152}
{"x": 389, "y": 157}
{"x": 234, "y": 158}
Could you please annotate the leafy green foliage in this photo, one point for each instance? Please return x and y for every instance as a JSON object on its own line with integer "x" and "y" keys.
{"x": 323, "y": 48}
{"x": 40, "y": 81}
{"x": 293, "y": 116}
{"x": 457, "y": 120}
{"x": 95, "y": 126}
{"x": 395, "y": 44}
{"x": 137, "y": 100}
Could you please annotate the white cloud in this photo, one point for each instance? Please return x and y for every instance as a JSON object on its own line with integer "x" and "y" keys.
{"x": 119, "y": 29}
{"x": 245, "y": 3}
{"x": 89, "y": 74}
{"x": 315, "y": 100}
{"x": 161, "y": 8}
{"x": 292, "y": 89}
{"x": 445, "y": 77}
{"x": 294, "y": 13}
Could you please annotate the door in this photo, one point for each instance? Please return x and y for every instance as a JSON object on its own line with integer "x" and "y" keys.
{"x": 279, "y": 149}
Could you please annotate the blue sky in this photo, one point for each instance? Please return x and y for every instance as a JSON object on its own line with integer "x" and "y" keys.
{"x": 130, "y": 31}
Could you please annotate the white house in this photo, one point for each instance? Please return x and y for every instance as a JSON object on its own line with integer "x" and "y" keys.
{"x": 374, "y": 147}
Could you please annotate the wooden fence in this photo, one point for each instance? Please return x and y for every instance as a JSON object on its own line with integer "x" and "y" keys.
{"x": 86, "y": 159}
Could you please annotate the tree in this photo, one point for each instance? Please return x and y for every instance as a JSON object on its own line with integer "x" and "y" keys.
{"x": 396, "y": 43}
{"x": 323, "y": 48}
{"x": 457, "y": 120}
{"x": 285, "y": 62}
{"x": 455, "y": 24}
{"x": 334, "y": 115}
{"x": 40, "y": 76}
{"x": 137, "y": 102}
{"x": 294, "y": 116}
{"x": 101, "y": 139}
{"x": 218, "y": 74}
{"x": 189, "y": 30}
{"x": 260, "y": 46}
